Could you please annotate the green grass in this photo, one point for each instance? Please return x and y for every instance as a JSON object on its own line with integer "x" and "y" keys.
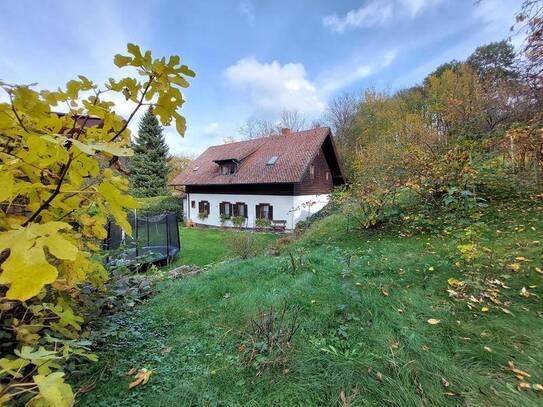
{"x": 205, "y": 246}
{"x": 377, "y": 348}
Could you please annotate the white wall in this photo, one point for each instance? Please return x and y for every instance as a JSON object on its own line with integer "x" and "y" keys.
{"x": 290, "y": 208}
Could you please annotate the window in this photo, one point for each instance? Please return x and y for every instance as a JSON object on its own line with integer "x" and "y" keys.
{"x": 203, "y": 207}
{"x": 327, "y": 175}
{"x": 272, "y": 160}
{"x": 264, "y": 211}
{"x": 193, "y": 204}
{"x": 225, "y": 208}
{"x": 228, "y": 169}
{"x": 240, "y": 209}
{"x": 312, "y": 171}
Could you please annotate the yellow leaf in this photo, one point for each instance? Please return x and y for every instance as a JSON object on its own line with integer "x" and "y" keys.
{"x": 27, "y": 274}
{"x": 524, "y": 292}
{"x": 453, "y": 282}
{"x": 433, "y": 321}
{"x": 485, "y": 309}
{"x": 141, "y": 377}
{"x": 121, "y": 60}
{"x": 514, "y": 266}
{"x": 60, "y": 247}
{"x": 12, "y": 367}
{"x": 53, "y": 391}
{"x": 537, "y": 386}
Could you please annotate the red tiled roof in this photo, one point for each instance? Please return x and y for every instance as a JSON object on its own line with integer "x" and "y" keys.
{"x": 295, "y": 151}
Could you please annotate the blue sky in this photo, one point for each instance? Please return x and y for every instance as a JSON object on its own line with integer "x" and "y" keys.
{"x": 252, "y": 58}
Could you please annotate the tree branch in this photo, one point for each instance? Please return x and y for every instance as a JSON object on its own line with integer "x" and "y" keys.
{"x": 140, "y": 103}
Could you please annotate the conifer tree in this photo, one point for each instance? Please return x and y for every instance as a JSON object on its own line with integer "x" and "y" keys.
{"x": 148, "y": 166}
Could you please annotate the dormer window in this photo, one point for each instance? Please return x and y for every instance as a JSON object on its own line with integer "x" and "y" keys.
{"x": 227, "y": 167}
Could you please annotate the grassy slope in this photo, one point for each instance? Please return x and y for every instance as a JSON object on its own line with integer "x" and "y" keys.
{"x": 205, "y": 246}
{"x": 204, "y": 327}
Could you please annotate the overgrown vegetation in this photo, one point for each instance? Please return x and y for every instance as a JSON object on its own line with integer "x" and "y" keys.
{"x": 60, "y": 184}
{"x": 159, "y": 204}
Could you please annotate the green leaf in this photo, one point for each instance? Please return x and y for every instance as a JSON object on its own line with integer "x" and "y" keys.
{"x": 54, "y": 391}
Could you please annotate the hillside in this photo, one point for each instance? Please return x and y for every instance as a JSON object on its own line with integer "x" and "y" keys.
{"x": 377, "y": 324}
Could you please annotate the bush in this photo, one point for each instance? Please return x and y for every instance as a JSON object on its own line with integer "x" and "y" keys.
{"x": 263, "y": 223}
{"x": 239, "y": 221}
{"x": 224, "y": 217}
{"x": 203, "y": 215}
{"x": 166, "y": 203}
{"x": 245, "y": 245}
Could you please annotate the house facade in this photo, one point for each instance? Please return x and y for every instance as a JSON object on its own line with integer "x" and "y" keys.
{"x": 277, "y": 180}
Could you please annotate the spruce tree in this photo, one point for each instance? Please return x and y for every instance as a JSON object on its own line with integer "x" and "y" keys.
{"x": 148, "y": 165}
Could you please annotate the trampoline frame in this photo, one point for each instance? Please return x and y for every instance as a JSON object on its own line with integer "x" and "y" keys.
{"x": 135, "y": 243}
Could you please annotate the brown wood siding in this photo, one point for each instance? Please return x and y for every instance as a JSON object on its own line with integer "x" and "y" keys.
{"x": 318, "y": 184}
{"x": 243, "y": 189}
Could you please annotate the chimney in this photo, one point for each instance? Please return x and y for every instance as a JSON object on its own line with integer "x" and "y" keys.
{"x": 285, "y": 131}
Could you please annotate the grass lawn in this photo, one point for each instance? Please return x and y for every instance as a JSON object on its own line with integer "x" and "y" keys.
{"x": 205, "y": 246}
{"x": 364, "y": 301}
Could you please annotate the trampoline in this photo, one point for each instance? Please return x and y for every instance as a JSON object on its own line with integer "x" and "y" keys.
{"x": 155, "y": 239}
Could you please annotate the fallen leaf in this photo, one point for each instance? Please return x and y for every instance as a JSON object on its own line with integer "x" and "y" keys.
{"x": 539, "y": 270}
{"x": 141, "y": 377}
{"x": 485, "y": 309}
{"x": 506, "y": 311}
{"x": 521, "y": 258}
{"x": 379, "y": 376}
{"x": 433, "y": 321}
{"x": 524, "y": 292}
{"x": 384, "y": 292}
{"x": 445, "y": 382}
{"x": 132, "y": 371}
{"x": 394, "y": 345}
{"x": 166, "y": 350}
{"x": 524, "y": 386}
{"x": 425, "y": 348}
{"x": 537, "y": 386}
{"x": 453, "y": 282}
{"x": 514, "y": 266}
{"x": 344, "y": 399}
{"x": 487, "y": 349}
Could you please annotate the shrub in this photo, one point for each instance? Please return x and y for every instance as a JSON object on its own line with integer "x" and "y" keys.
{"x": 203, "y": 215}
{"x": 239, "y": 221}
{"x": 269, "y": 338}
{"x": 158, "y": 204}
{"x": 60, "y": 170}
{"x": 224, "y": 217}
{"x": 263, "y": 223}
{"x": 245, "y": 245}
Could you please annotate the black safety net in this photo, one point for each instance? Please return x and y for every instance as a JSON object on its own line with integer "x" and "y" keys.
{"x": 155, "y": 238}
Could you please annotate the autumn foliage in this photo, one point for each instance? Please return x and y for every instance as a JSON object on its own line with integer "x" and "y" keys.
{"x": 59, "y": 188}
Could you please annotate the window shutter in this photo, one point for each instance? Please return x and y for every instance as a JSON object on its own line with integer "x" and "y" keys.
{"x": 245, "y": 211}
{"x": 221, "y": 208}
{"x": 257, "y": 210}
{"x": 236, "y": 211}
{"x": 200, "y": 206}
{"x": 270, "y": 212}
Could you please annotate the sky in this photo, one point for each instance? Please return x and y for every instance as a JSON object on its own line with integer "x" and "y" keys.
{"x": 252, "y": 58}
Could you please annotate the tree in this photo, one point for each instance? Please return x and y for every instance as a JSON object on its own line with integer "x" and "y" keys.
{"x": 55, "y": 203}
{"x": 292, "y": 119}
{"x": 340, "y": 116}
{"x": 496, "y": 59}
{"x": 256, "y": 128}
{"x": 176, "y": 164}
{"x": 148, "y": 166}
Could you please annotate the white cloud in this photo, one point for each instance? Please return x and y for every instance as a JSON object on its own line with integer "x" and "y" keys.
{"x": 341, "y": 76}
{"x": 247, "y": 8}
{"x": 389, "y": 57}
{"x": 272, "y": 87}
{"x": 375, "y": 13}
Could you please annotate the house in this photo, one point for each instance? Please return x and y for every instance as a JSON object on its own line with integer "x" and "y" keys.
{"x": 280, "y": 180}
